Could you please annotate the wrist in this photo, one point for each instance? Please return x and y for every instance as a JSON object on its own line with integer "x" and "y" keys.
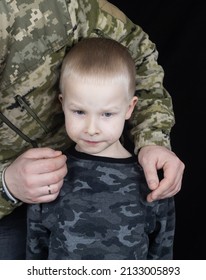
{"x": 5, "y": 191}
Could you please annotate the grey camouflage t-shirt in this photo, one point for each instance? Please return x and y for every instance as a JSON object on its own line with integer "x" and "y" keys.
{"x": 101, "y": 213}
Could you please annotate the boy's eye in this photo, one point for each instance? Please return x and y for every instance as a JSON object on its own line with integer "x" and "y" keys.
{"x": 79, "y": 112}
{"x": 107, "y": 115}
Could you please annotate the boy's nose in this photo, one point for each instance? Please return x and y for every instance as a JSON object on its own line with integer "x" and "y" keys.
{"x": 92, "y": 127}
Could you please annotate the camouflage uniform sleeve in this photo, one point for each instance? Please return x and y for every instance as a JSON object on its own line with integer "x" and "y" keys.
{"x": 6, "y": 207}
{"x": 153, "y": 117}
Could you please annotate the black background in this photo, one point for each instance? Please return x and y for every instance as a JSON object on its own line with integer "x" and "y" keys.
{"x": 178, "y": 30}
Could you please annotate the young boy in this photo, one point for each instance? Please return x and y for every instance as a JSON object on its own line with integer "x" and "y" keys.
{"x": 101, "y": 212}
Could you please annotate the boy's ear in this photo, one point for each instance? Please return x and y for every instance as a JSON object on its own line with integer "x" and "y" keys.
{"x": 131, "y": 106}
{"x": 60, "y": 97}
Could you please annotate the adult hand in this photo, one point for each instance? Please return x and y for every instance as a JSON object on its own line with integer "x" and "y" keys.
{"x": 37, "y": 175}
{"x": 154, "y": 158}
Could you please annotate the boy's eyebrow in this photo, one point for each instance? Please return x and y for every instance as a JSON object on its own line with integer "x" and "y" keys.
{"x": 111, "y": 108}
{"x": 74, "y": 104}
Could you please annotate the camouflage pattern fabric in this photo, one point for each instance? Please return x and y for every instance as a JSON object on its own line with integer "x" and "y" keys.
{"x": 34, "y": 38}
{"x": 101, "y": 213}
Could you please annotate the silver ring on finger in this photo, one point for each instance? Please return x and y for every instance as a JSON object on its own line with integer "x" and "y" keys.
{"x": 49, "y": 189}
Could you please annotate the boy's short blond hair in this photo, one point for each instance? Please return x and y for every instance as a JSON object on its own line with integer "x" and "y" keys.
{"x": 99, "y": 60}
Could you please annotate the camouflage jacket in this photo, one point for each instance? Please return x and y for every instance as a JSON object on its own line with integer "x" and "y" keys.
{"x": 34, "y": 37}
{"x": 101, "y": 213}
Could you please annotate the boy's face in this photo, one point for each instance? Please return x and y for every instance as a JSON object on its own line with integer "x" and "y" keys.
{"x": 95, "y": 115}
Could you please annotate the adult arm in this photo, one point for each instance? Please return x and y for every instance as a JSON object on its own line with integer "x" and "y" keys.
{"x": 153, "y": 117}
{"x": 40, "y": 174}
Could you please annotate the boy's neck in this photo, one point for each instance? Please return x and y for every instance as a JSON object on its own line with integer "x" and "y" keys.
{"x": 116, "y": 150}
